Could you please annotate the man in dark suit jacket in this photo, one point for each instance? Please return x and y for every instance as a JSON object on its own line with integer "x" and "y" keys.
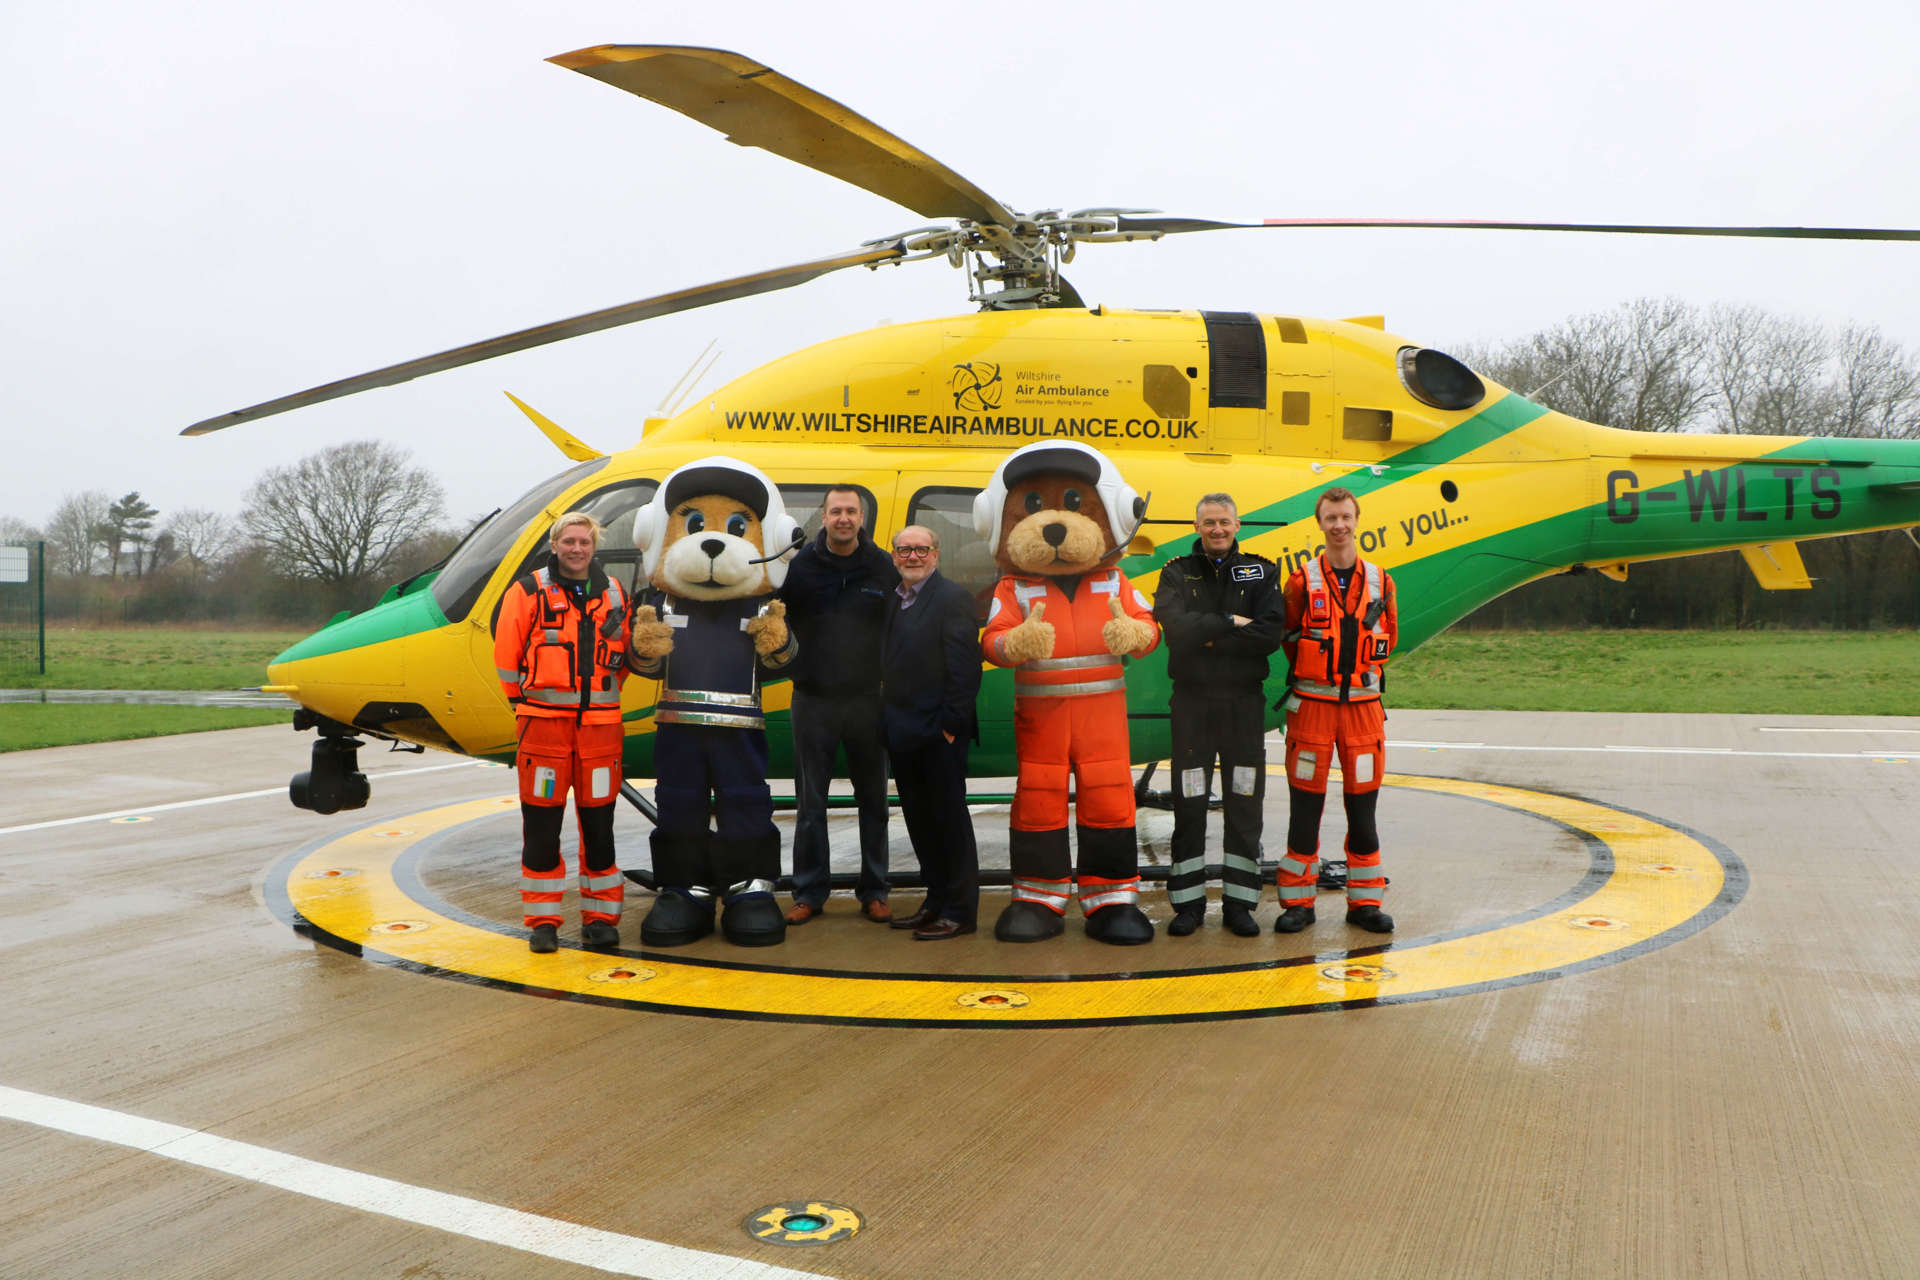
{"x": 930, "y": 676}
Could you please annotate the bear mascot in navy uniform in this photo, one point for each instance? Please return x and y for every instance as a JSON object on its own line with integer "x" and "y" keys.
{"x": 715, "y": 540}
{"x": 1058, "y": 516}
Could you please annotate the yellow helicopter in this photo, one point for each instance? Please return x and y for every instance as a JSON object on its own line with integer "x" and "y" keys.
{"x": 1467, "y": 489}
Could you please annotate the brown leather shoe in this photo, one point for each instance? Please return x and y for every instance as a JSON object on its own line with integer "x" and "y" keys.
{"x": 941, "y": 929}
{"x": 914, "y": 921}
{"x": 800, "y": 913}
{"x": 876, "y": 910}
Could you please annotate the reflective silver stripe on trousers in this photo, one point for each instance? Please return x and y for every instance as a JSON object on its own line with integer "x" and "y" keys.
{"x": 1067, "y": 664}
{"x": 1050, "y": 893}
{"x": 1187, "y": 893}
{"x": 1091, "y": 902}
{"x": 712, "y": 718}
{"x": 1189, "y": 866}
{"x": 1240, "y": 862}
{"x": 1068, "y": 690}
{"x": 710, "y": 698}
{"x": 1292, "y": 866}
{"x": 1372, "y": 892}
{"x": 611, "y": 880}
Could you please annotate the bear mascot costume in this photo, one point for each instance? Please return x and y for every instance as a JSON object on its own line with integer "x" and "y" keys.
{"x": 715, "y": 540}
{"x": 1058, "y": 516}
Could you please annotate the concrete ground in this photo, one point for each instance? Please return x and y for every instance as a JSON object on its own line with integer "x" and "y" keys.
{"x": 1653, "y": 1009}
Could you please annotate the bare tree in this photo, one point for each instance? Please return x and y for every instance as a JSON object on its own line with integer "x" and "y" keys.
{"x": 201, "y": 538}
{"x": 1771, "y": 373}
{"x": 338, "y": 517}
{"x": 1876, "y": 390}
{"x": 14, "y": 532}
{"x": 72, "y": 532}
{"x": 1640, "y": 366}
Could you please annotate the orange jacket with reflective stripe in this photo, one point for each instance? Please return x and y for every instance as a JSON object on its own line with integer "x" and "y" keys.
{"x": 1080, "y": 662}
{"x": 1322, "y": 666}
{"x": 557, "y": 658}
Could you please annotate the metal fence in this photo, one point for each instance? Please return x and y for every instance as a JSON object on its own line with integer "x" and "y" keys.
{"x": 23, "y": 610}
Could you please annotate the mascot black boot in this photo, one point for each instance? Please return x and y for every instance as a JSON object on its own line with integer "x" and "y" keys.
{"x": 1123, "y": 925}
{"x": 683, "y": 912}
{"x": 1028, "y": 922}
{"x": 749, "y": 915}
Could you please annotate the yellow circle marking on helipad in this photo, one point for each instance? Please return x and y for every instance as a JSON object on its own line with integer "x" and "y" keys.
{"x": 1641, "y": 899}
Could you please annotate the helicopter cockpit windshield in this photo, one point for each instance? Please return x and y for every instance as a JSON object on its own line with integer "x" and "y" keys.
{"x": 461, "y": 582}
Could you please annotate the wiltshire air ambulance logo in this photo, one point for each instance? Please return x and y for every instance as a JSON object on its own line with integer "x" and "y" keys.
{"x": 976, "y": 387}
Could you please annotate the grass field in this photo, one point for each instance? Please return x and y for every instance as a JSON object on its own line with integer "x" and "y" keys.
{"x": 25, "y": 726}
{"x": 156, "y": 658}
{"x": 1761, "y": 672}
{"x": 1758, "y": 672}
{"x": 140, "y": 658}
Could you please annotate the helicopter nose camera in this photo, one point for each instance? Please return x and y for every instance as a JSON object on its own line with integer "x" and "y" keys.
{"x": 335, "y": 781}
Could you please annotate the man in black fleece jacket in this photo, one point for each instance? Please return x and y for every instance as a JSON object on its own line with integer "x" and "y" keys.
{"x": 838, "y": 590}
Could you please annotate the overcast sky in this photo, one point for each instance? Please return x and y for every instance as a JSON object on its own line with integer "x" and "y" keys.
{"x": 209, "y": 205}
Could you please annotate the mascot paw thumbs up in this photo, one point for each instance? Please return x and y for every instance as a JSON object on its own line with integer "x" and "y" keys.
{"x": 1032, "y": 639}
{"x": 652, "y": 638}
{"x": 1123, "y": 635}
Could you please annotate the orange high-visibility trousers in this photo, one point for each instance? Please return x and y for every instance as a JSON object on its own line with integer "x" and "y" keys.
{"x": 1317, "y": 731}
{"x": 558, "y": 755}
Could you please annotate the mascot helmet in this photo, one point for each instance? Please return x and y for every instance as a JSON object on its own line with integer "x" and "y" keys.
{"x": 1125, "y": 508}
{"x": 780, "y": 533}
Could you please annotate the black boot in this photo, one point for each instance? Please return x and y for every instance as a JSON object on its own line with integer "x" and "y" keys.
{"x": 1121, "y": 925}
{"x": 678, "y": 917}
{"x": 1372, "y": 919}
{"x": 598, "y": 935}
{"x": 545, "y": 940}
{"x": 1024, "y": 921}
{"x": 1186, "y": 919}
{"x": 1239, "y": 918}
{"x": 751, "y": 917}
{"x": 1293, "y": 920}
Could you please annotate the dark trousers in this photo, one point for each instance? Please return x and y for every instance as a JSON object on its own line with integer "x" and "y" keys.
{"x": 820, "y": 725}
{"x": 933, "y": 799}
{"x": 1228, "y": 725}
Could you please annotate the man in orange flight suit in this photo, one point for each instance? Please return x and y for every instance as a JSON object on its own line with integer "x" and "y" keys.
{"x": 1342, "y": 624}
{"x": 560, "y": 649}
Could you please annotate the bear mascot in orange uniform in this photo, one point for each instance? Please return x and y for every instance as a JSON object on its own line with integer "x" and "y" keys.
{"x": 1058, "y": 516}
{"x": 715, "y": 539}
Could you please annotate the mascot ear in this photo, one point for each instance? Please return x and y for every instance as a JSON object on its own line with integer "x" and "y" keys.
{"x": 986, "y": 511}
{"x": 647, "y": 524}
{"x": 781, "y": 533}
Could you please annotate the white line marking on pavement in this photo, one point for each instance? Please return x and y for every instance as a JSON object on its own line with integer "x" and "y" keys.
{"x": 1665, "y": 751}
{"x": 1792, "y": 728}
{"x": 496, "y": 1224}
{"x": 237, "y": 795}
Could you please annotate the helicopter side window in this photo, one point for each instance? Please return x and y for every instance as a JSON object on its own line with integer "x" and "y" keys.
{"x": 614, "y": 507}
{"x": 965, "y": 556}
{"x": 467, "y": 573}
{"x": 806, "y": 501}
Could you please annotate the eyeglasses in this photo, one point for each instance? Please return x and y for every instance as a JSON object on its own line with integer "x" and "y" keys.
{"x": 913, "y": 553}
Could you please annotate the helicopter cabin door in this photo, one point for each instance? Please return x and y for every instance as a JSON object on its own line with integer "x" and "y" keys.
{"x": 1266, "y": 385}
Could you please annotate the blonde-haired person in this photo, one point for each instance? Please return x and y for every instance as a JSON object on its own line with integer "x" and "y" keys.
{"x": 560, "y": 650}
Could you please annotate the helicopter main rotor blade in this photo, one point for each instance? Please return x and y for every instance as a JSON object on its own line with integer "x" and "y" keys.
{"x": 591, "y": 322}
{"x": 1178, "y": 226}
{"x": 758, "y": 107}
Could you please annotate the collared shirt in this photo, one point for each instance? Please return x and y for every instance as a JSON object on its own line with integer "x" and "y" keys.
{"x": 908, "y": 594}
